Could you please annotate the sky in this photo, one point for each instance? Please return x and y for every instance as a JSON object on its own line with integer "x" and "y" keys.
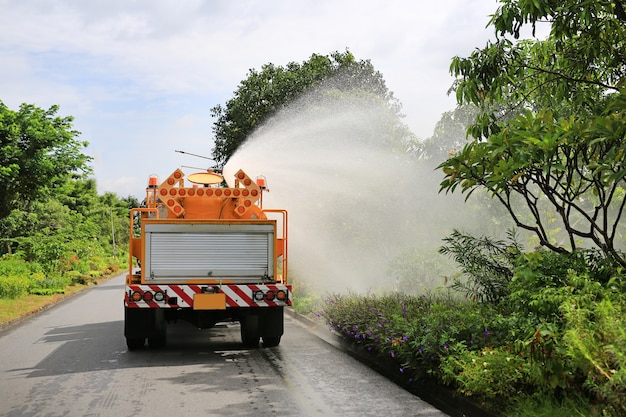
{"x": 140, "y": 76}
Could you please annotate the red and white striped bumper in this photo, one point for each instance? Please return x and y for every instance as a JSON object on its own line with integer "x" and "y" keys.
{"x": 182, "y": 296}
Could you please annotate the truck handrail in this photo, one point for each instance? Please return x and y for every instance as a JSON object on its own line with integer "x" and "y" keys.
{"x": 283, "y": 238}
{"x": 131, "y": 231}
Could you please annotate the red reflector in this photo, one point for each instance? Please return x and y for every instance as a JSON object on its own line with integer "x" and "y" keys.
{"x": 270, "y": 295}
{"x": 147, "y": 296}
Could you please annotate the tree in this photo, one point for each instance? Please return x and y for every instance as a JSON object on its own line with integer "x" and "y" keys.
{"x": 38, "y": 150}
{"x": 267, "y": 91}
{"x": 450, "y": 133}
{"x": 551, "y": 129}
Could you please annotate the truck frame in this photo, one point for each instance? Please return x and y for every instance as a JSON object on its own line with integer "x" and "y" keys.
{"x": 206, "y": 254}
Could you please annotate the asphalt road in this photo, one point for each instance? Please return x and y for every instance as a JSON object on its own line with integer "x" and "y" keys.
{"x": 71, "y": 360}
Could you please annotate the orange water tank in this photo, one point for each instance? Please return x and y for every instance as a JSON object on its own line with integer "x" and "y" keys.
{"x": 202, "y": 208}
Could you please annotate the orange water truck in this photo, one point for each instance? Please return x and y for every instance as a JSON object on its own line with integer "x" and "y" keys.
{"x": 206, "y": 253}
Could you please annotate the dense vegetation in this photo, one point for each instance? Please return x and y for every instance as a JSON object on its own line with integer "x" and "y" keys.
{"x": 553, "y": 342}
{"x": 539, "y": 332}
{"x": 55, "y": 230}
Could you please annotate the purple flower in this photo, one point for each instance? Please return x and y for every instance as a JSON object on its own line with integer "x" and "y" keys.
{"x": 487, "y": 332}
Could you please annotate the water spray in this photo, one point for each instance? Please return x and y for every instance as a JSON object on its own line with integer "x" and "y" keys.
{"x": 355, "y": 202}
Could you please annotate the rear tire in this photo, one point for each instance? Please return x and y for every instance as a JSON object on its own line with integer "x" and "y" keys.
{"x": 157, "y": 342}
{"x": 271, "y": 341}
{"x": 134, "y": 343}
{"x": 250, "y": 331}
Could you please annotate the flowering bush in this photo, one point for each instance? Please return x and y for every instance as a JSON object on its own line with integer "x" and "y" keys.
{"x": 489, "y": 372}
{"x": 560, "y": 338}
{"x": 416, "y": 332}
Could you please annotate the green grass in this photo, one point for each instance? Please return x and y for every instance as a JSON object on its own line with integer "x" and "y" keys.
{"x": 12, "y": 309}
{"x": 546, "y": 407}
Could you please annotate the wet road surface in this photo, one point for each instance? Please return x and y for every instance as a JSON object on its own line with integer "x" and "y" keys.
{"x": 71, "y": 360}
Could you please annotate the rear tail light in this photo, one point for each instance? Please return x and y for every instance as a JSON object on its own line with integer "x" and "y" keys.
{"x": 147, "y": 296}
{"x": 271, "y": 295}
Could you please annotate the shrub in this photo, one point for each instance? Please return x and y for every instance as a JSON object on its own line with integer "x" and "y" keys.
{"x": 486, "y": 264}
{"x": 543, "y": 280}
{"x": 596, "y": 343}
{"x": 16, "y": 265}
{"x": 489, "y": 373}
{"x": 414, "y": 331}
{"x": 42, "y": 284}
{"x": 14, "y": 286}
{"x": 418, "y": 270}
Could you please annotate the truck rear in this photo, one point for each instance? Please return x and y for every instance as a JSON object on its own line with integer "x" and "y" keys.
{"x": 206, "y": 254}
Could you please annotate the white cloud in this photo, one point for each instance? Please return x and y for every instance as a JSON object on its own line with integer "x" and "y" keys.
{"x": 140, "y": 76}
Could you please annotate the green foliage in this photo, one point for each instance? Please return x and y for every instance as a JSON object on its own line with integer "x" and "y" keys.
{"x": 306, "y": 300}
{"x": 491, "y": 373}
{"x": 415, "y": 332}
{"x": 418, "y": 270}
{"x": 554, "y": 161}
{"x": 556, "y": 337}
{"x": 41, "y": 284}
{"x": 38, "y": 150}
{"x": 544, "y": 280}
{"x": 13, "y": 286}
{"x": 54, "y": 228}
{"x": 596, "y": 345}
{"x": 540, "y": 405}
{"x": 450, "y": 134}
{"x": 576, "y": 167}
{"x": 486, "y": 264}
{"x": 269, "y": 90}
{"x": 16, "y": 265}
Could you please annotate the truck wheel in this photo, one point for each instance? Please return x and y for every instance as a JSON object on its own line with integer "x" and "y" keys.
{"x": 157, "y": 342}
{"x": 134, "y": 343}
{"x": 250, "y": 331}
{"x": 271, "y": 341}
